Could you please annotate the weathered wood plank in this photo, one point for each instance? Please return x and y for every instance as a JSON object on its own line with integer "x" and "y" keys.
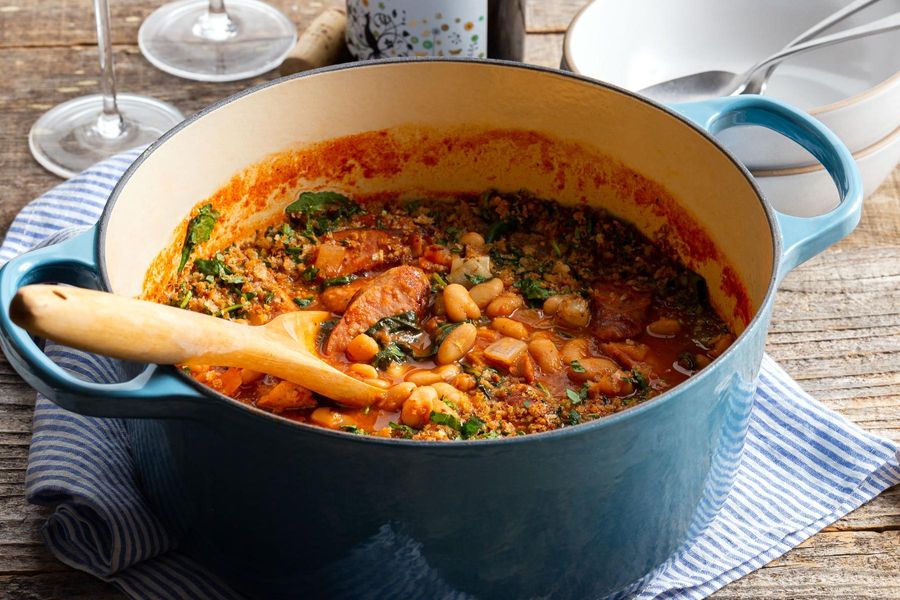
{"x": 859, "y": 565}
{"x": 551, "y": 17}
{"x": 71, "y": 585}
{"x": 37, "y": 23}
{"x": 72, "y": 23}
{"x": 835, "y": 325}
{"x": 42, "y": 83}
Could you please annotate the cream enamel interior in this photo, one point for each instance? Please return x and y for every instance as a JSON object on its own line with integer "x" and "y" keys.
{"x": 436, "y": 96}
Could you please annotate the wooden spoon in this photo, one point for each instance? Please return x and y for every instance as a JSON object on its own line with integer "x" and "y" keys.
{"x": 143, "y": 331}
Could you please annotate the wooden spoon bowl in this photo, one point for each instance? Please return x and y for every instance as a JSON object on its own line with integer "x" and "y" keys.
{"x": 143, "y": 331}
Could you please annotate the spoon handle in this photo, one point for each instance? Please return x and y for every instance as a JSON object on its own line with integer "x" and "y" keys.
{"x": 750, "y": 84}
{"x": 757, "y": 84}
{"x": 836, "y": 17}
{"x": 148, "y": 332}
{"x": 122, "y": 327}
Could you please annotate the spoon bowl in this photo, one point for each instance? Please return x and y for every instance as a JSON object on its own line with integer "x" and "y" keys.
{"x": 143, "y": 331}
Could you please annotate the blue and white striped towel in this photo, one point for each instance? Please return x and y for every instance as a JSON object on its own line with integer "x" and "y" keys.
{"x": 803, "y": 467}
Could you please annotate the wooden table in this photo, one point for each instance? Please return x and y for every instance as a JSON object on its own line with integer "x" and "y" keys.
{"x": 836, "y": 324}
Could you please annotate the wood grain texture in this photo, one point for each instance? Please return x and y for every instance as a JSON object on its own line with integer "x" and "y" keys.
{"x": 42, "y": 23}
{"x": 836, "y": 323}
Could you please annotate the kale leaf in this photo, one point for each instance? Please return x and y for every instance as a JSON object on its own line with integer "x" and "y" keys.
{"x": 390, "y": 353}
{"x": 402, "y": 322}
{"x": 334, "y": 281}
{"x": 471, "y": 427}
{"x": 445, "y": 419}
{"x": 315, "y": 202}
{"x": 198, "y": 231}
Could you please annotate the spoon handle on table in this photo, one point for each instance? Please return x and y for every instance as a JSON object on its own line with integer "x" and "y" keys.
{"x": 125, "y": 328}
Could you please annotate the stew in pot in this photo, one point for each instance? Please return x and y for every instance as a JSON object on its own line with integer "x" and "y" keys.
{"x": 487, "y": 316}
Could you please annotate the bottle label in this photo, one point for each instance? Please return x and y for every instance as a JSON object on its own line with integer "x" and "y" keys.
{"x": 390, "y": 28}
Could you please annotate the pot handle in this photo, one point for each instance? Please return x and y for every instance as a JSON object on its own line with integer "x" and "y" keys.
{"x": 802, "y": 237}
{"x": 157, "y": 391}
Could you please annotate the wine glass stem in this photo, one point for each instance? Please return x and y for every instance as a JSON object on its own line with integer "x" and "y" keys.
{"x": 110, "y": 123}
{"x": 215, "y": 25}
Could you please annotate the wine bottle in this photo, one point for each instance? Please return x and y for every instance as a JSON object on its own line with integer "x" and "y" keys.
{"x": 506, "y": 29}
{"x": 446, "y": 28}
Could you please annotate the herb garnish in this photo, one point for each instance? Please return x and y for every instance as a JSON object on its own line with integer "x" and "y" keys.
{"x": 353, "y": 429}
{"x": 532, "y": 289}
{"x": 216, "y": 268}
{"x": 638, "y": 379}
{"x": 445, "y": 419}
{"x": 556, "y": 248}
{"x": 303, "y": 302}
{"x": 579, "y": 396}
{"x": 325, "y": 330}
{"x": 310, "y": 273}
{"x": 342, "y": 280}
{"x": 405, "y": 430}
{"x": 496, "y": 229}
{"x": 212, "y": 266}
{"x": 576, "y": 366}
{"x": 231, "y": 308}
{"x": 187, "y": 298}
{"x": 476, "y": 279}
{"x": 471, "y": 427}
{"x": 198, "y": 231}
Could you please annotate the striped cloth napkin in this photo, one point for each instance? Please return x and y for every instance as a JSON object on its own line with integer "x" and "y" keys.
{"x": 803, "y": 467}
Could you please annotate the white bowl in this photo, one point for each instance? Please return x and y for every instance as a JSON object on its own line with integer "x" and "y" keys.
{"x": 854, "y": 87}
{"x": 809, "y": 191}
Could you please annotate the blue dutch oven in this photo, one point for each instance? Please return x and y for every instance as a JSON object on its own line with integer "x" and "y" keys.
{"x": 282, "y": 509}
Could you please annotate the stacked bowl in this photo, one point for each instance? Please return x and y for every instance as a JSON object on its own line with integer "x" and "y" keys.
{"x": 853, "y": 87}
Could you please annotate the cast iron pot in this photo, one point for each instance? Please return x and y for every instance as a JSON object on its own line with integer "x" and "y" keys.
{"x": 282, "y": 509}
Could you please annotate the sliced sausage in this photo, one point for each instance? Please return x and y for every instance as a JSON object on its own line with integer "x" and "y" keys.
{"x": 619, "y": 311}
{"x": 395, "y": 291}
{"x": 337, "y": 298}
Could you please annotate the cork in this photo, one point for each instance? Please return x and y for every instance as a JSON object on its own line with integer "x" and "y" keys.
{"x": 320, "y": 45}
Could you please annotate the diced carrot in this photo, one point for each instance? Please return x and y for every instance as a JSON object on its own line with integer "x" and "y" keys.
{"x": 438, "y": 255}
{"x": 249, "y": 376}
{"x": 231, "y": 381}
{"x": 286, "y": 396}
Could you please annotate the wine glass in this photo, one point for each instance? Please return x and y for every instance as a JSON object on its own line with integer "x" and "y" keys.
{"x": 204, "y": 41}
{"x": 72, "y": 136}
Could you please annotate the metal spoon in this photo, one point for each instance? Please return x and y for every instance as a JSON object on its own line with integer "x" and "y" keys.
{"x": 836, "y": 17}
{"x": 148, "y": 332}
{"x": 709, "y": 84}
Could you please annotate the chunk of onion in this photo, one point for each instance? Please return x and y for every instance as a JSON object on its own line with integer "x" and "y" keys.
{"x": 477, "y": 268}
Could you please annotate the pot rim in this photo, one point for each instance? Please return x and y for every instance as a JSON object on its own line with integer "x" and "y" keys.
{"x": 583, "y": 428}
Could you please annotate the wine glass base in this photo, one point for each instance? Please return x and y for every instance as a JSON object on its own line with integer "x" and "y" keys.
{"x": 178, "y": 38}
{"x": 65, "y": 139}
